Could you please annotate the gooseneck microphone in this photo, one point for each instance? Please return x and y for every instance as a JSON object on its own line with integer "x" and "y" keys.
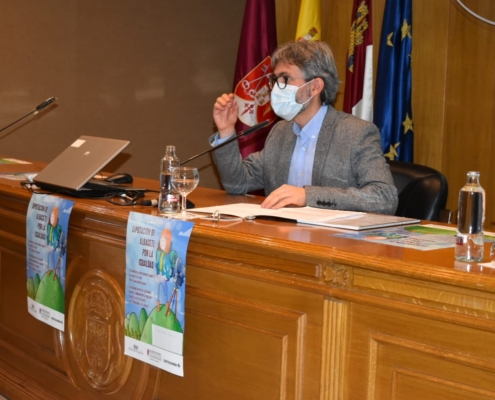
{"x": 38, "y": 108}
{"x": 45, "y": 104}
{"x": 253, "y": 129}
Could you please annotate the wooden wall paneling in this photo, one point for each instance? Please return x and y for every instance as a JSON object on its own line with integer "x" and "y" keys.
{"x": 484, "y": 8}
{"x": 429, "y": 58}
{"x": 430, "y": 31}
{"x": 287, "y": 14}
{"x": 335, "y": 350}
{"x": 490, "y": 187}
{"x": 469, "y": 142}
{"x": 411, "y": 369}
{"x": 13, "y": 302}
{"x": 336, "y": 29}
{"x": 92, "y": 345}
{"x": 387, "y": 344}
{"x": 402, "y": 356}
{"x": 378, "y": 9}
{"x": 270, "y": 330}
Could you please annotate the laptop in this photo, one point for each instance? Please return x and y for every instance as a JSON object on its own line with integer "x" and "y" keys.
{"x": 72, "y": 171}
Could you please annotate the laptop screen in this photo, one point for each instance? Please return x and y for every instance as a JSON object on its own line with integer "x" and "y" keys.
{"x": 82, "y": 160}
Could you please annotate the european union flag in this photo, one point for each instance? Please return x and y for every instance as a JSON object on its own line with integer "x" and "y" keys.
{"x": 393, "y": 111}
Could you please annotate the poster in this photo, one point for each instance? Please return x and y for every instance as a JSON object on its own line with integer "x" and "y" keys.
{"x": 155, "y": 290}
{"x": 47, "y": 224}
{"x": 418, "y": 237}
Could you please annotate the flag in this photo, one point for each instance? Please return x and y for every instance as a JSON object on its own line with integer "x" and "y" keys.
{"x": 258, "y": 42}
{"x": 308, "y": 24}
{"x": 393, "y": 110}
{"x": 358, "y": 97}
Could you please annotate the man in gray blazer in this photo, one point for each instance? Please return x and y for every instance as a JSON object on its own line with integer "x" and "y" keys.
{"x": 318, "y": 156}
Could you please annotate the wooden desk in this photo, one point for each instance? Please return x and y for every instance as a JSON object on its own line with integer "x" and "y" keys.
{"x": 274, "y": 311}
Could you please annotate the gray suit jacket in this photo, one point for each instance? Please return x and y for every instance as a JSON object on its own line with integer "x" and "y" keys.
{"x": 349, "y": 171}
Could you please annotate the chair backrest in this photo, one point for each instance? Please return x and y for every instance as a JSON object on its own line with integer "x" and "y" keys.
{"x": 422, "y": 190}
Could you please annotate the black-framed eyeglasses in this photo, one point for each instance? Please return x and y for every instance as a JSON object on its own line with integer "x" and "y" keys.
{"x": 281, "y": 81}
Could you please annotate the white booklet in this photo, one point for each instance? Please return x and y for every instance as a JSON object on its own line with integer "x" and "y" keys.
{"x": 308, "y": 215}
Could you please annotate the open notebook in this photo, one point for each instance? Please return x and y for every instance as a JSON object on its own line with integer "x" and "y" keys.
{"x": 311, "y": 216}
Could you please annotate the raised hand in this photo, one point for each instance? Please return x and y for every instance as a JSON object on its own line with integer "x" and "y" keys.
{"x": 225, "y": 113}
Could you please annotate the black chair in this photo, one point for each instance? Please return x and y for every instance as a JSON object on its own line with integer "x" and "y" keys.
{"x": 422, "y": 191}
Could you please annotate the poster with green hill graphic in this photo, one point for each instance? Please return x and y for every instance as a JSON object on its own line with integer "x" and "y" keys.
{"x": 419, "y": 237}
{"x": 47, "y": 224}
{"x": 156, "y": 250}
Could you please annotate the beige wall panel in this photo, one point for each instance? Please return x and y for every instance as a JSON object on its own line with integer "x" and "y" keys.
{"x": 469, "y": 105}
{"x": 144, "y": 71}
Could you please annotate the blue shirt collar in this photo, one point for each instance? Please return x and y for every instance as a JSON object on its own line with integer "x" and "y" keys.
{"x": 313, "y": 127}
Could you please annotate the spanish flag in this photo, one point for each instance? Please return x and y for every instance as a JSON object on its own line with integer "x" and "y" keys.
{"x": 308, "y": 24}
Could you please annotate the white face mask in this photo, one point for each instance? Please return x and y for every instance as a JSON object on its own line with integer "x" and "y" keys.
{"x": 284, "y": 102}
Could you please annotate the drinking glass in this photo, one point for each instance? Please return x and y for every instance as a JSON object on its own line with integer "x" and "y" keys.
{"x": 185, "y": 180}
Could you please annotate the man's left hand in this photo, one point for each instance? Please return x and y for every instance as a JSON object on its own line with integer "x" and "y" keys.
{"x": 285, "y": 195}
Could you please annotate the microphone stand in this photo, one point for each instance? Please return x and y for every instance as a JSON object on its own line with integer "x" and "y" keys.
{"x": 38, "y": 108}
{"x": 254, "y": 128}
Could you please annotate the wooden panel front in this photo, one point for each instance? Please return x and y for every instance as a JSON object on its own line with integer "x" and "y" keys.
{"x": 274, "y": 311}
{"x": 399, "y": 356}
{"x": 410, "y": 339}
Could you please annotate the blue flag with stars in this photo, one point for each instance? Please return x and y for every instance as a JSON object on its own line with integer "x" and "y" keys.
{"x": 393, "y": 110}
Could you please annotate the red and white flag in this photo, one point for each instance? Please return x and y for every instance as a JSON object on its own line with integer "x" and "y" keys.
{"x": 258, "y": 42}
{"x": 358, "y": 97}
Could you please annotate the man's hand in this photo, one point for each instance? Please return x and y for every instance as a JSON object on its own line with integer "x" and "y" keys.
{"x": 225, "y": 113}
{"x": 285, "y": 195}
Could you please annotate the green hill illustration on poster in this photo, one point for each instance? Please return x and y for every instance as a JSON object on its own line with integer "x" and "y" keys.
{"x": 141, "y": 329}
{"x": 46, "y": 247}
{"x": 47, "y": 291}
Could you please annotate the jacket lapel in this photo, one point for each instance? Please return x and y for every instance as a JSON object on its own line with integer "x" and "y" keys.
{"x": 285, "y": 155}
{"x": 323, "y": 145}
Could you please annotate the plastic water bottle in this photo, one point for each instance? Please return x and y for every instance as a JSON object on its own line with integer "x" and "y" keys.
{"x": 169, "y": 200}
{"x": 470, "y": 218}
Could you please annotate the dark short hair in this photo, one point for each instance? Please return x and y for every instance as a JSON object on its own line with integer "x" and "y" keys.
{"x": 315, "y": 60}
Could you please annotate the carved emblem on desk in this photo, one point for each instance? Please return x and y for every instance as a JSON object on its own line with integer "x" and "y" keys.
{"x": 98, "y": 332}
{"x": 336, "y": 275}
{"x": 95, "y": 332}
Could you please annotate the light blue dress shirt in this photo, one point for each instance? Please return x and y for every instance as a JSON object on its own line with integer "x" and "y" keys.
{"x": 301, "y": 165}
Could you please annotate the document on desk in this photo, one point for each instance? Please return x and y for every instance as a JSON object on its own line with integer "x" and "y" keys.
{"x": 306, "y": 215}
{"x": 310, "y": 216}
